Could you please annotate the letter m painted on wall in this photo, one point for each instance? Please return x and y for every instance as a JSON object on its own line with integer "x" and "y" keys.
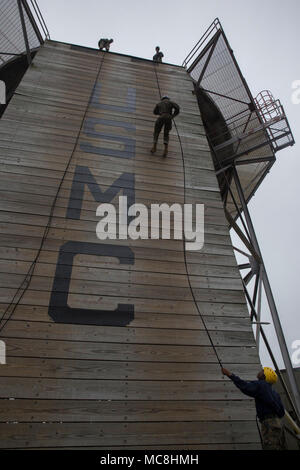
{"x": 83, "y": 177}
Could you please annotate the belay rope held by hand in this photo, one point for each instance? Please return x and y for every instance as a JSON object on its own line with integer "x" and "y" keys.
{"x": 184, "y": 250}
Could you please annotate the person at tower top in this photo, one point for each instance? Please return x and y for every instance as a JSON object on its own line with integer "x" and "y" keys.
{"x": 105, "y": 44}
{"x": 158, "y": 56}
{"x": 269, "y": 407}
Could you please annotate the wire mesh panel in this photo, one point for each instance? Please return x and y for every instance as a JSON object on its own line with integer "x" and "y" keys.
{"x": 217, "y": 74}
{"x": 12, "y": 39}
{"x": 242, "y": 136}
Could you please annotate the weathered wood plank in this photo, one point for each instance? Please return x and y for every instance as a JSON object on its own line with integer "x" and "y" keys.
{"x": 19, "y": 329}
{"x": 113, "y": 334}
{"x": 59, "y": 235}
{"x": 199, "y": 447}
{"x": 7, "y": 252}
{"x": 38, "y": 215}
{"x": 131, "y": 434}
{"x": 128, "y": 352}
{"x": 88, "y": 411}
{"x": 229, "y": 321}
{"x": 143, "y": 276}
{"x": 64, "y": 389}
{"x": 94, "y": 302}
{"x": 18, "y": 261}
{"x": 49, "y": 186}
{"x": 118, "y": 370}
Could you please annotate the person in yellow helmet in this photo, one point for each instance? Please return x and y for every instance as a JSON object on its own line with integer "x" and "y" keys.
{"x": 269, "y": 407}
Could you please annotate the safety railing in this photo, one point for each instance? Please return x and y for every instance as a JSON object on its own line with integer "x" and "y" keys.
{"x": 211, "y": 30}
{"x": 22, "y": 29}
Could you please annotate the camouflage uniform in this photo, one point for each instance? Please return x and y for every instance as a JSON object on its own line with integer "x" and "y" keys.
{"x": 272, "y": 434}
{"x": 105, "y": 44}
{"x": 158, "y": 57}
{"x": 165, "y": 110}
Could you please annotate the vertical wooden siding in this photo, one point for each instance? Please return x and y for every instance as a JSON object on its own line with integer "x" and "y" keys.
{"x": 106, "y": 348}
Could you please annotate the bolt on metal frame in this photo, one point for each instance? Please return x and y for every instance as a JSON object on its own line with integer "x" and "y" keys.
{"x": 250, "y": 125}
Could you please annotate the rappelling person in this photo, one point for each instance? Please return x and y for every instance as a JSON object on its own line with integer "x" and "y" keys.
{"x": 269, "y": 407}
{"x": 105, "y": 44}
{"x": 167, "y": 110}
{"x": 158, "y": 56}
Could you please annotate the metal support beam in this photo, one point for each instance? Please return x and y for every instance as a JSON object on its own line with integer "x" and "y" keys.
{"x": 227, "y": 97}
{"x": 244, "y": 266}
{"x": 212, "y": 48}
{"x": 270, "y": 299}
{"x": 258, "y": 327}
{"x": 24, "y": 31}
{"x": 251, "y": 161}
{"x": 248, "y": 277}
{"x": 9, "y": 53}
{"x": 244, "y": 239}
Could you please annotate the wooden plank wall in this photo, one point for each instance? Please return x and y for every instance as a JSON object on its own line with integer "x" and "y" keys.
{"x": 105, "y": 347}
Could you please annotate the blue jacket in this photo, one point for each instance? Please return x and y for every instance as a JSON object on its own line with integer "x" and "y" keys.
{"x": 267, "y": 400}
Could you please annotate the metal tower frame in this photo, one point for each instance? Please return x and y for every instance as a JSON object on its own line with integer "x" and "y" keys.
{"x": 249, "y": 133}
{"x": 25, "y": 38}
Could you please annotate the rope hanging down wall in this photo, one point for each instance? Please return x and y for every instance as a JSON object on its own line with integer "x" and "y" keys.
{"x": 184, "y": 249}
{"x": 26, "y": 281}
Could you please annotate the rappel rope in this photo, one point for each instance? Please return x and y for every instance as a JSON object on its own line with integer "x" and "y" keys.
{"x": 26, "y": 281}
{"x": 184, "y": 250}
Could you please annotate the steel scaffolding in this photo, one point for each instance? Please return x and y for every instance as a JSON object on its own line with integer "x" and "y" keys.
{"x": 244, "y": 134}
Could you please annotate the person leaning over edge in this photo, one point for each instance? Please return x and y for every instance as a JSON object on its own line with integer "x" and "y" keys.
{"x": 269, "y": 407}
{"x": 167, "y": 110}
{"x": 105, "y": 44}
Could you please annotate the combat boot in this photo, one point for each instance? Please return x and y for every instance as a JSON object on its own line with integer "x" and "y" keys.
{"x": 153, "y": 150}
{"x": 166, "y": 150}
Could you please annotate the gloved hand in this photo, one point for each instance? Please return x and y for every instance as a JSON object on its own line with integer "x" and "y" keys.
{"x": 226, "y": 372}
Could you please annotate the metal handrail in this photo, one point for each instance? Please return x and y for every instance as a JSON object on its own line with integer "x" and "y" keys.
{"x": 214, "y": 27}
{"x": 40, "y": 18}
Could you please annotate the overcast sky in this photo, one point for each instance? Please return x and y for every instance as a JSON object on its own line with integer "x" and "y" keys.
{"x": 264, "y": 35}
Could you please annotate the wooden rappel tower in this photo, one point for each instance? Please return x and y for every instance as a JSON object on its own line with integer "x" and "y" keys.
{"x": 115, "y": 344}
